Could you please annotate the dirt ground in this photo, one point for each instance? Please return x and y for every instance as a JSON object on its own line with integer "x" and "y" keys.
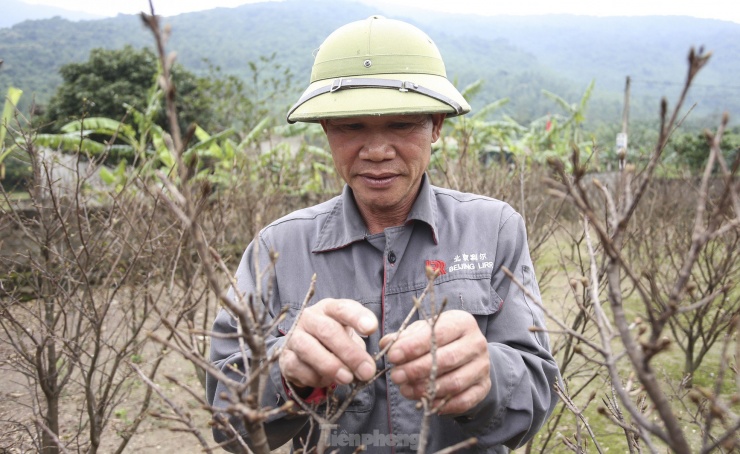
{"x": 154, "y": 434}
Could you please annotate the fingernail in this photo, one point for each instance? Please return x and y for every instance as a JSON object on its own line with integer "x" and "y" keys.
{"x": 344, "y": 376}
{"x": 366, "y": 324}
{"x": 366, "y": 371}
{"x": 398, "y": 376}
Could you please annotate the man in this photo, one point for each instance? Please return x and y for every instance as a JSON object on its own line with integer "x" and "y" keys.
{"x": 379, "y": 90}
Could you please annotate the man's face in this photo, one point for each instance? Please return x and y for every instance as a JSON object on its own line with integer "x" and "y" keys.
{"x": 383, "y": 158}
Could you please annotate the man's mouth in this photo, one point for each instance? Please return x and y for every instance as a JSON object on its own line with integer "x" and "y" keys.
{"x": 378, "y": 180}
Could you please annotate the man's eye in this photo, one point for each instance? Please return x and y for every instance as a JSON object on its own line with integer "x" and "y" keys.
{"x": 402, "y": 126}
{"x": 352, "y": 127}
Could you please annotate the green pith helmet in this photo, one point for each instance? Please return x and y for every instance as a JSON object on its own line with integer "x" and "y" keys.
{"x": 377, "y": 66}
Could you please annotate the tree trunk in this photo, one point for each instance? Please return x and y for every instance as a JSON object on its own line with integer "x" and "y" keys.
{"x": 48, "y": 445}
{"x": 688, "y": 367}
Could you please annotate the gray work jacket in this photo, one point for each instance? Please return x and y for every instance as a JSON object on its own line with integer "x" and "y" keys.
{"x": 469, "y": 237}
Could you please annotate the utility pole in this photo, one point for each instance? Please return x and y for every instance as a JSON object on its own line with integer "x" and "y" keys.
{"x": 622, "y": 137}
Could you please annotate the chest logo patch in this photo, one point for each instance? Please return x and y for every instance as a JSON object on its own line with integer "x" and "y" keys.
{"x": 470, "y": 262}
{"x": 437, "y": 266}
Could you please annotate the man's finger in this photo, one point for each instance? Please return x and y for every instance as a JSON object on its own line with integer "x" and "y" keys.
{"x": 305, "y": 351}
{"x": 351, "y": 313}
{"x": 457, "y": 381}
{"x": 464, "y": 401}
{"x": 415, "y": 340}
{"x": 333, "y": 335}
{"x": 299, "y": 373}
{"x": 448, "y": 357}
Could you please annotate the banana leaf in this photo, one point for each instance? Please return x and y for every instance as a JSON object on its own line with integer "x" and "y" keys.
{"x": 14, "y": 94}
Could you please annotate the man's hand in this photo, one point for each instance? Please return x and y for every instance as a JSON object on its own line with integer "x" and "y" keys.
{"x": 463, "y": 364}
{"x": 325, "y": 346}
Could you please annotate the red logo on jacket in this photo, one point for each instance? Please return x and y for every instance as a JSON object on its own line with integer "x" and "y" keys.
{"x": 438, "y": 266}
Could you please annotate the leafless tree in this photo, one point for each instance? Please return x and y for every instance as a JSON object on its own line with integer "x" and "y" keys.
{"x": 649, "y": 298}
{"x": 84, "y": 292}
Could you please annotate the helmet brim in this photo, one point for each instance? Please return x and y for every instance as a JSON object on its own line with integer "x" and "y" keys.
{"x": 356, "y": 102}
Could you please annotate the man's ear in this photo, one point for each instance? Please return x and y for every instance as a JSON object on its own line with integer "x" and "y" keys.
{"x": 437, "y": 122}
{"x": 323, "y": 125}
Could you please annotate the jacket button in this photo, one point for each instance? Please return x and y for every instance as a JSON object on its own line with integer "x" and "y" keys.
{"x": 391, "y": 257}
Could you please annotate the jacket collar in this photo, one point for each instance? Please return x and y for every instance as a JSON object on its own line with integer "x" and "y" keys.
{"x": 344, "y": 225}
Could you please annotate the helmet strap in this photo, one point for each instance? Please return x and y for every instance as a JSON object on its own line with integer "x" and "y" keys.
{"x": 400, "y": 85}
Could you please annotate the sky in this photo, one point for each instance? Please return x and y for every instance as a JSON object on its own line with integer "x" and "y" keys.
{"x": 712, "y": 9}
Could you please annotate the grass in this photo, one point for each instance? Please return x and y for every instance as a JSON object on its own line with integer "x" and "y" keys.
{"x": 563, "y": 264}
{"x": 14, "y": 197}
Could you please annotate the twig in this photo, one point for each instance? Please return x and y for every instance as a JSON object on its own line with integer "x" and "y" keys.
{"x": 183, "y": 416}
{"x": 579, "y": 414}
{"x": 470, "y": 442}
{"x": 566, "y": 329}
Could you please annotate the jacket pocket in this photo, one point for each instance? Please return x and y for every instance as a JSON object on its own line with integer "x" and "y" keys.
{"x": 472, "y": 294}
{"x": 287, "y": 322}
{"x": 362, "y": 402}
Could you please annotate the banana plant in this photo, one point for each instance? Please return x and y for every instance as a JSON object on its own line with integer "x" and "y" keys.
{"x": 575, "y": 113}
{"x": 473, "y": 135}
{"x": 11, "y": 100}
{"x": 141, "y": 142}
{"x": 299, "y": 168}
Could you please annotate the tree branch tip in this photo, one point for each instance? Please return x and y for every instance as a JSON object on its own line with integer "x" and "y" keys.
{"x": 556, "y": 164}
{"x": 556, "y": 193}
{"x": 431, "y": 273}
{"x": 171, "y": 57}
{"x": 149, "y": 19}
{"x": 288, "y": 406}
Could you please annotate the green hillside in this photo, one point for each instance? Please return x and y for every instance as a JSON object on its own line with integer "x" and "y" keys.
{"x": 15, "y": 11}
{"x": 517, "y": 57}
{"x": 651, "y": 50}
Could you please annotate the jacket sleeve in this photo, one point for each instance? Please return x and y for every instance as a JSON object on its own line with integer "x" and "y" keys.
{"x": 523, "y": 370}
{"x": 226, "y": 355}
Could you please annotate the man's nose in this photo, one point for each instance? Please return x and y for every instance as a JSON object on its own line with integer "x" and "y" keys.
{"x": 377, "y": 148}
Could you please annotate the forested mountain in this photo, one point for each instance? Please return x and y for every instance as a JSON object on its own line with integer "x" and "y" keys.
{"x": 651, "y": 50}
{"x": 517, "y": 57}
{"x": 15, "y": 11}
